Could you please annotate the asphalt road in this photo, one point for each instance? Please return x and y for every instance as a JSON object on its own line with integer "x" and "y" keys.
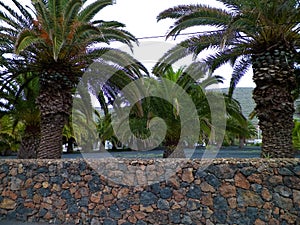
{"x": 224, "y": 152}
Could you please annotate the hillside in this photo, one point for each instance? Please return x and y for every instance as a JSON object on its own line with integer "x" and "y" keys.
{"x": 244, "y": 96}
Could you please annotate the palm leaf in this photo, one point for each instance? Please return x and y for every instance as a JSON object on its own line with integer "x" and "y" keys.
{"x": 25, "y": 39}
{"x": 204, "y": 16}
{"x": 191, "y": 46}
{"x": 71, "y": 11}
{"x": 13, "y": 19}
{"x": 177, "y": 12}
{"x": 239, "y": 70}
{"x": 25, "y": 13}
{"x": 43, "y": 16}
{"x": 88, "y": 13}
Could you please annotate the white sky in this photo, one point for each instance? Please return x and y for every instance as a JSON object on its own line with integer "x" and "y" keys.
{"x": 140, "y": 19}
{"x": 139, "y": 16}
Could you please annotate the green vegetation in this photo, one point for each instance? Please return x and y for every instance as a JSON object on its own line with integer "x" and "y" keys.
{"x": 296, "y": 135}
{"x": 260, "y": 33}
{"x": 244, "y": 96}
{"x": 10, "y": 137}
{"x": 54, "y": 40}
{"x": 48, "y": 47}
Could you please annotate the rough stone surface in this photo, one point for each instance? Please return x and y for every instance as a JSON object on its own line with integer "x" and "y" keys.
{"x": 124, "y": 192}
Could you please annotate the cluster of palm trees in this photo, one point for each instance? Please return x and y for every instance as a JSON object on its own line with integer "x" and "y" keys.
{"x": 260, "y": 33}
{"x": 54, "y": 42}
{"x": 46, "y": 49}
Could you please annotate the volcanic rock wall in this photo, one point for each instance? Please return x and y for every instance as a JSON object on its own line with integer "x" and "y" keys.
{"x": 114, "y": 191}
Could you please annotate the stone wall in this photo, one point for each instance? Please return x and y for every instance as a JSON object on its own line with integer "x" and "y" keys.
{"x": 222, "y": 191}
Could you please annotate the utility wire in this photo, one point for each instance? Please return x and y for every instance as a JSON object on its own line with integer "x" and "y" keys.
{"x": 183, "y": 34}
{"x": 208, "y": 32}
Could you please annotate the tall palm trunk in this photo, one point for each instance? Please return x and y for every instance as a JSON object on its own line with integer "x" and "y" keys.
{"x": 273, "y": 76}
{"x": 55, "y": 103}
{"x": 30, "y": 142}
{"x": 70, "y": 148}
{"x": 170, "y": 152}
{"x": 170, "y": 149}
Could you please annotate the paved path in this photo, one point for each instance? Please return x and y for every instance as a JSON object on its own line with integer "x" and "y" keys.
{"x": 224, "y": 152}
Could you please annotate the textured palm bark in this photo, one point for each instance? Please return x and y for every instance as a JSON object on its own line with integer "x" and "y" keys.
{"x": 275, "y": 80}
{"x": 51, "y": 136}
{"x": 173, "y": 150}
{"x": 55, "y": 103}
{"x": 30, "y": 142}
{"x": 70, "y": 148}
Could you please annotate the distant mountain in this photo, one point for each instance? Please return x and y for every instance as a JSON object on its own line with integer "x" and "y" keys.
{"x": 244, "y": 96}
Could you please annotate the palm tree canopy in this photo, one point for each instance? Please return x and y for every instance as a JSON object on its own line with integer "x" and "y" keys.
{"x": 57, "y": 40}
{"x": 65, "y": 29}
{"x": 243, "y": 28}
{"x": 63, "y": 33}
{"x": 65, "y": 36}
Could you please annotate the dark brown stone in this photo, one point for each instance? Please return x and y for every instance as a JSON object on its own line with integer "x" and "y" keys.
{"x": 266, "y": 194}
{"x": 227, "y": 190}
{"x": 96, "y": 197}
{"x": 8, "y": 204}
{"x": 241, "y": 181}
{"x": 255, "y": 178}
{"x": 187, "y": 175}
{"x": 207, "y": 187}
{"x": 207, "y": 200}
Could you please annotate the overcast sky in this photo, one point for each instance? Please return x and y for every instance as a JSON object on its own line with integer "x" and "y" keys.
{"x": 139, "y": 16}
{"x": 140, "y": 19}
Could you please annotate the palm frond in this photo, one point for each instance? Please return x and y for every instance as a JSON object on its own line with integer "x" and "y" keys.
{"x": 203, "y": 16}
{"x": 234, "y": 109}
{"x": 177, "y": 12}
{"x": 27, "y": 16}
{"x": 12, "y": 18}
{"x": 240, "y": 68}
{"x": 25, "y": 39}
{"x": 89, "y": 12}
{"x": 71, "y": 11}
{"x": 108, "y": 24}
{"x": 43, "y": 16}
{"x": 122, "y": 59}
{"x": 224, "y": 56}
{"x": 111, "y": 34}
{"x": 192, "y": 46}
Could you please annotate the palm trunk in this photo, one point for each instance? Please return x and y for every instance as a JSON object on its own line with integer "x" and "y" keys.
{"x": 171, "y": 151}
{"x": 30, "y": 142}
{"x": 55, "y": 103}
{"x": 274, "y": 79}
{"x": 70, "y": 148}
{"x": 241, "y": 142}
{"x": 51, "y": 136}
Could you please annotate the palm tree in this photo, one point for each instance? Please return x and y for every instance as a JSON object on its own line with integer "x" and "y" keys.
{"x": 68, "y": 137}
{"x": 10, "y": 135}
{"x": 237, "y": 125}
{"x": 83, "y": 122}
{"x": 25, "y": 110}
{"x": 259, "y": 33}
{"x": 18, "y": 102}
{"x": 296, "y": 135}
{"x": 104, "y": 129}
{"x": 57, "y": 40}
{"x": 167, "y": 99}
